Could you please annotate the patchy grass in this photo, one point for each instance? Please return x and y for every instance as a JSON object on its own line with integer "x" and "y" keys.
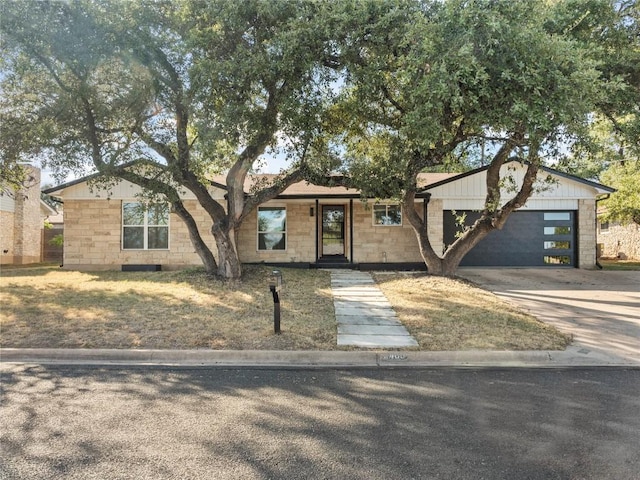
{"x": 451, "y": 314}
{"x": 48, "y": 307}
{"x": 615, "y": 264}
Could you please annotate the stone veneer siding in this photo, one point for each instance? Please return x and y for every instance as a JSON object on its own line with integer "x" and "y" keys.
{"x": 372, "y": 244}
{"x": 586, "y": 233}
{"x": 93, "y": 232}
{"x": 435, "y": 225}
{"x": 620, "y": 241}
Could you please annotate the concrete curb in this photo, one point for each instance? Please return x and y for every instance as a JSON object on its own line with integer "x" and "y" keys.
{"x": 572, "y": 357}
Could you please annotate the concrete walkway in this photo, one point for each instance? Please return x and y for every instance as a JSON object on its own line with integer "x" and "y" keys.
{"x": 364, "y": 315}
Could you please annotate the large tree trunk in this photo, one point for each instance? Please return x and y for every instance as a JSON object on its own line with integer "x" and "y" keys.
{"x": 203, "y": 251}
{"x": 229, "y": 265}
{"x": 492, "y": 218}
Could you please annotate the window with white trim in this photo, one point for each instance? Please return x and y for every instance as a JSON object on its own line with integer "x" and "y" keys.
{"x": 145, "y": 227}
{"x": 272, "y": 228}
{"x": 387, "y": 215}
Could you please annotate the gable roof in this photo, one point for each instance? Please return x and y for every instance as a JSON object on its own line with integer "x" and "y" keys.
{"x": 455, "y": 177}
{"x": 302, "y": 189}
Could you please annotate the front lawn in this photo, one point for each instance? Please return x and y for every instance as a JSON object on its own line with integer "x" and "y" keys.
{"x": 48, "y": 307}
{"x": 619, "y": 264}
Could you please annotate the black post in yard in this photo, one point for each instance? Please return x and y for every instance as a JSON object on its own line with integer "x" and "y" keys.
{"x": 276, "y": 309}
{"x": 275, "y": 284}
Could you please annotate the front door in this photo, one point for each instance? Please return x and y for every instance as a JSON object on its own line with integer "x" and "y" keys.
{"x": 332, "y": 230}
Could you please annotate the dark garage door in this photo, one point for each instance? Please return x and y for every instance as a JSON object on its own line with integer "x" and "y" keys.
{"x": 528, "y": 239}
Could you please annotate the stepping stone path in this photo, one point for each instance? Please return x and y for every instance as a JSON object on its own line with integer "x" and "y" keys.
{"x": 365, "y": 317}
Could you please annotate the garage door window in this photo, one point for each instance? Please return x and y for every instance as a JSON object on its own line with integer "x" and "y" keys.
{"x": 557, "y": 230}
{"x": 557, "y": 259}
{"x": 557, "y": 245}
{"x": 557, "y": 216}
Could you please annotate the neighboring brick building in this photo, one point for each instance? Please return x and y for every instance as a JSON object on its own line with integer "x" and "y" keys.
{"x": 308, "y": 225}
{"x": 21, "y": 223}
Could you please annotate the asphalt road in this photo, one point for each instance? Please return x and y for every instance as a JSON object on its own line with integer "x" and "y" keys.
{"x": 180, "y": 423}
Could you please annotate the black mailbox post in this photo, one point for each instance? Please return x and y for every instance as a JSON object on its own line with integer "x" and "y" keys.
{"x": 275, "y": 285}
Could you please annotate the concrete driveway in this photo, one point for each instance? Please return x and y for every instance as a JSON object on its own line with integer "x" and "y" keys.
{"x": 601, "y": 309}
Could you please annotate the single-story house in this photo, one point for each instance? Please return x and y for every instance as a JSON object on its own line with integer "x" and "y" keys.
{"x": 22, "y": 216}
{"x": 309, "y": 225}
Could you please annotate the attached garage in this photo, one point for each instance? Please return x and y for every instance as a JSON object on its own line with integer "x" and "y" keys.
{"x": 528, "y": 239}
{"x": 555, "y": 228}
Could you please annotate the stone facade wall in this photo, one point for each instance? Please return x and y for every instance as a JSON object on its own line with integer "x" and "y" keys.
{"x": 7, "y": 237}
{"x": 381, "y": 243}
{"x": 620, "y": 241}
{"x": 93, "y": 238}
{"x": 586, "y": 233}
{"x": 300, "y": 236}
{"x": 371, "y": 244}
{"x": 435, "y": 225}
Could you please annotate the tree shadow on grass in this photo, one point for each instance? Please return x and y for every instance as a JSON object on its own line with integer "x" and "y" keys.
{"x": 172, "y": 310}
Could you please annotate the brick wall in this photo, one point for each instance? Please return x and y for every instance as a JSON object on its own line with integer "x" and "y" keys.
{"x": 92, "y": 239}
{"x": 586, "y": 233}
{"x": 27, "y": 222}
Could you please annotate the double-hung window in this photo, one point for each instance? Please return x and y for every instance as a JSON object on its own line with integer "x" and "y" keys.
{"x": 272, "y": 228}
{"x": 387, "y": 215}
{"x": 145, "y": 227}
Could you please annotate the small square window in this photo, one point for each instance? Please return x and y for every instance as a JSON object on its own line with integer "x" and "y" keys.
{"x": 604, "y": 226}
{"x": 387, "y": 215}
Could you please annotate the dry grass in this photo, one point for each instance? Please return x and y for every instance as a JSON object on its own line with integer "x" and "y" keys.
{"x": 449, "y": 314}
{"x": 615, "y": 264}
{"x": 47, "y": 307}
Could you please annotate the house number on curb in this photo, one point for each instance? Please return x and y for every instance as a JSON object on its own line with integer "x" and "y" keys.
{"x": 395, "y": 357}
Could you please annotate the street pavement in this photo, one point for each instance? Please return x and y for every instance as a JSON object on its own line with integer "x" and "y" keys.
{"x": 229, "y": 423}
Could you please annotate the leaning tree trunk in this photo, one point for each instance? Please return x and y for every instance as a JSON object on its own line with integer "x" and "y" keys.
{"x": 229, "y": 265}
{"x": 203, "y": 251}
{"x": 431, "y": 259}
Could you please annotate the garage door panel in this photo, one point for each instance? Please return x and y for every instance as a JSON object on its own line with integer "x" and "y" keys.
{"x": 523, "y": 241}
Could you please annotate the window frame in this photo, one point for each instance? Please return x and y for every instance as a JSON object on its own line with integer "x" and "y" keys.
{"x": 283, "y": 232}
{"x": 386, "y": 205}
{"x": 145, "y": 227}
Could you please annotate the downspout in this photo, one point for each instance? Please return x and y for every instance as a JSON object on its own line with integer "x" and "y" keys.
{"x": 318, "y": 215}
{"x": 606, "y": 196}
{"x": 425, "y": 204}
{"x": 351, "y": 228}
